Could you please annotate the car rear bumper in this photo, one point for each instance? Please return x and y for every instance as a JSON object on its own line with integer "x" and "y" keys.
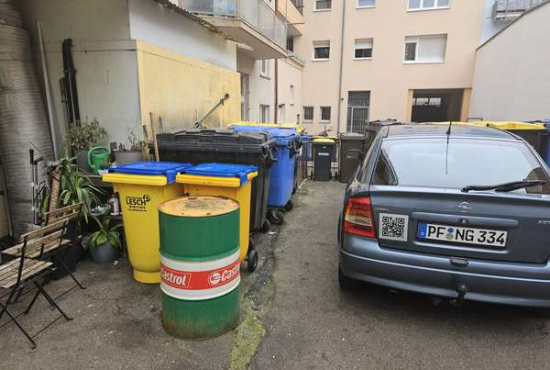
{"x": 488, "y": 281}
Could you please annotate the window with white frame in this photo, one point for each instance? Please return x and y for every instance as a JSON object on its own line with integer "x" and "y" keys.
{"x": 308, "y": 114}
{"x": 425, "y": 49}
{"x": 429, "y": 4}
{"x": 323, "y": 4}
{"x": 325, "y": 114}
{"x": 264, "y": 113}
{"x": 321, "y": 50}
{"x": 366, "y": 3}
{"x": 264, "y": 68}
{"x": 363, "y": 49}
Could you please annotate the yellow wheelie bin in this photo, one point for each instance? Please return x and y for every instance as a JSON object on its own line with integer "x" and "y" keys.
{"x": 142, "y": 186}
{"x": 535, "y": 134}
{"x": 226, "y": 180}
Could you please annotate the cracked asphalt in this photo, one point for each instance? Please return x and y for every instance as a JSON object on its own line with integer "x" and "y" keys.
{"x": 312, "y": 324}
{"x": 295, "y": 302}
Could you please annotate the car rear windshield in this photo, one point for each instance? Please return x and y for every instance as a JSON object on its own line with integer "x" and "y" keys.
{"x": 433, "y": 162}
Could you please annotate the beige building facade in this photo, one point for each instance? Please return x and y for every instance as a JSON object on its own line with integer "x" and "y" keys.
{"x": 410, "y": 60}
{"x": 512, "y": 74}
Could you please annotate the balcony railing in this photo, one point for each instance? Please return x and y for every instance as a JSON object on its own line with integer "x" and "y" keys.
{"x": 254, "y": 12}
{"x": 299, "y": 4}
{"x": 510, "y": 9}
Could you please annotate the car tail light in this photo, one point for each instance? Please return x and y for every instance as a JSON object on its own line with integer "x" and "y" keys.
{"x": 358, "y": 218}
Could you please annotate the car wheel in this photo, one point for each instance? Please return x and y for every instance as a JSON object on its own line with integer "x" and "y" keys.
{"x": 346, "y": 282}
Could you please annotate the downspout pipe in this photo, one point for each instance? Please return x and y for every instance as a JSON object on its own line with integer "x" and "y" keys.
{"x": 276, "y": 78}
{"x": 341, "y": 72}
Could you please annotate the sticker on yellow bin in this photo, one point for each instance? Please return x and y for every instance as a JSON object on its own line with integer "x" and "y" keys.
{"x": 233, "y": 181}
{"x": 142, "y": 187}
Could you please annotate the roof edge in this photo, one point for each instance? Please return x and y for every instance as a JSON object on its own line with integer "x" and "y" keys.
{"x": 513, "y": 22}
{"x": 195, "y": 18}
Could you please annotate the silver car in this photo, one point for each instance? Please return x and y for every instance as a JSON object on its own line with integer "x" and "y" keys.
{"x": 451, "y": 211}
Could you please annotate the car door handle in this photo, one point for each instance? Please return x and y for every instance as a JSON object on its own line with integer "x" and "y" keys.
{"x": 466, "y": 220}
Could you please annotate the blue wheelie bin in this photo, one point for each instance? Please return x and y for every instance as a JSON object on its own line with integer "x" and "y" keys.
{"x": 281, "y": 176}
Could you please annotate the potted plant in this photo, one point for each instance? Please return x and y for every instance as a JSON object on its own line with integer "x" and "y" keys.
{"x": 105, "y": 243}
{"x": 76, "y": 188}
{"x": 82, "y": 137}
{"x": 134, "y": 154}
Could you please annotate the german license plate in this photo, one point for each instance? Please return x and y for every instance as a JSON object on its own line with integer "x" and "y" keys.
{"x": 467, "y": 235}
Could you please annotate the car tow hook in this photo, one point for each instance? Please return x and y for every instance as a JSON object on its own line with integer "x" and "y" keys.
{"x": 461, "y": 290}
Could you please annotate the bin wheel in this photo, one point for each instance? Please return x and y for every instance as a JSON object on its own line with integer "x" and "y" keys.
{"x": 252, "y": 260}
{"x": 277, "y": 217}
{"x": 265, "y": 226}
{"x": 289, "y": 206}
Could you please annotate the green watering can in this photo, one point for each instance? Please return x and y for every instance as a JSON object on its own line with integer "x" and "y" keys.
{"x": 98, "y": 157}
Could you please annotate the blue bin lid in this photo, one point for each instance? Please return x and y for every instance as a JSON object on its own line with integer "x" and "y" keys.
{"x": 168, "y": 169}
{"x": 222, "y": 170}
{"x": 283, "y": 136}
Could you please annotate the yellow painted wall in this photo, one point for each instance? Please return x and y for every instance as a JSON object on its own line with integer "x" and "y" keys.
{"x": 179, "y": 88}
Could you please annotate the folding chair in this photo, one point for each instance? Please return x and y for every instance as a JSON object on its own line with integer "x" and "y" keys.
{"x": 54, "y": 247}
{"x": 23, "y": 271}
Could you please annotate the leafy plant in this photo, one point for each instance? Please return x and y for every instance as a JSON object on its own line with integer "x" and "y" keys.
{"x": 84, "y": 135}
{"x": 76, "y": 188}
{"x": 105, "y": 234}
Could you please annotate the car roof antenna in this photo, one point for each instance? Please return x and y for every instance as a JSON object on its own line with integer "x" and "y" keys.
{"x": 449, "y": 129}
{"x": 447, "y": 148}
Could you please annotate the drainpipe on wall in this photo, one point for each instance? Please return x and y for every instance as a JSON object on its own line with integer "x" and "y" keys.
{"x": 276, "y": 77}
{"x": 341, "y": 65}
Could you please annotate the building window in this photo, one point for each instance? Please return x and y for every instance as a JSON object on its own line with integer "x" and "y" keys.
{"x": 363, "y": 49}
{"x": 325, "y": 114}
{"x": 290, "y": 43}
{"x": 428, "y": 4}
{"x": 291, "y": 95}
{"x": 358, "y": 111}
{"x": 323, "y": 4}
{"x": 366, "y": 3}
{"x": 425, "y": 49}
{"x": 308, "y": 114}
{"x": 264, "y": 68}
{"x": 321, "y": 50}
{"x": 427, "y": 102}
{"x": 264, "y": 113}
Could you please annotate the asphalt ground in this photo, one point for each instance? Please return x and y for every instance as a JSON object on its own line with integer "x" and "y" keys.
{"x": 293, "y": 316}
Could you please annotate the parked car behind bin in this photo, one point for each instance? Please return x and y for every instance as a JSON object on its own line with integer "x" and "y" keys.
{"x": 451, "y": 211}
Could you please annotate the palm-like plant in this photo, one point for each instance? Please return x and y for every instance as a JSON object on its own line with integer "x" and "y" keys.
{"x": 105, "y": 234}
{"x": 76, "y": 188}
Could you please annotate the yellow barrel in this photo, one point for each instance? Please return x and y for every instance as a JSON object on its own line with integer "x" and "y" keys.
{"x": 232, "y": 181}
{"x": 142, "y": 187}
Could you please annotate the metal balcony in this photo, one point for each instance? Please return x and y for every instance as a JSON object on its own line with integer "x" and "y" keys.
{"x": 507, "y": 10}
{"x": 251, "y": 22}
{"x": 299, "y": 4}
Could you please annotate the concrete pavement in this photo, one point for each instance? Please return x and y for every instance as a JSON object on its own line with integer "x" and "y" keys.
{"x": 312, "y": 324}
{"x": 294, "y": 316}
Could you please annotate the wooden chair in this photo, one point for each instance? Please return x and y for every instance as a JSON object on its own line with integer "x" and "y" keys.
{"x": 23, "y": 271}
{"x": 54, "y": 246}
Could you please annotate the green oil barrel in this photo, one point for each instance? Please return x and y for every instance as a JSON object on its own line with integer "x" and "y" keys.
{"x": 200, "y": 268}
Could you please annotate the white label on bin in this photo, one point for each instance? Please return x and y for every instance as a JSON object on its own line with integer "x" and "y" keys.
{"x": 200, "y": 280}
{"x": 323, "y": 154}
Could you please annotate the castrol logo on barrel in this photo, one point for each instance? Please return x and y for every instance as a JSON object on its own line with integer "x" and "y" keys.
{"x": 221, "y": 277}
{"x": 199, "y": 280}
{"x": 176, "y": 279}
